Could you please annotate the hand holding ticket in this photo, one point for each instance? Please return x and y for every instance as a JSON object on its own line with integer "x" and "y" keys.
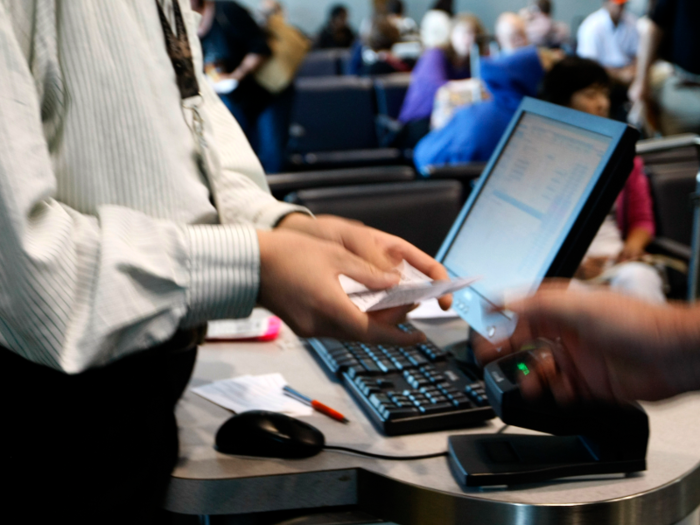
{"x": 413, "y": 288}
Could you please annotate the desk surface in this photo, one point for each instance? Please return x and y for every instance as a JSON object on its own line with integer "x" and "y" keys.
{"x": 410, "y": 492}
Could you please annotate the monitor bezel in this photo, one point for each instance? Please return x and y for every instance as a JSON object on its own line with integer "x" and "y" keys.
{"x": 611, "y": 174}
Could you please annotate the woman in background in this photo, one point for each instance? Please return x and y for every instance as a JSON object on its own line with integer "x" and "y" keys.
{"x": 614, "y": 254}
{"x": 377, "y": 57}
{"x": 435, "y": 68}
{"x": 234, "y": 48}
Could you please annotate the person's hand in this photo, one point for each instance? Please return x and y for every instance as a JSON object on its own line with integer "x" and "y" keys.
{"x": 381, "y": 249}
{"x": 639, "y": 90}
{"x": 631, "y": 252}
{"x": 635, "y": 244}
{"x": 299, "y": 283}
{"x": 591, "y": 267}
{"x": 606, "y": 346}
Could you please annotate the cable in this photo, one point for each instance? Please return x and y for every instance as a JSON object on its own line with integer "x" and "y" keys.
{"x": 381, "y": 456}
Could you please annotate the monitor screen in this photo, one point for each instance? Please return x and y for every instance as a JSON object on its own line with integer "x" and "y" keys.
{"x": 527, "y": 206}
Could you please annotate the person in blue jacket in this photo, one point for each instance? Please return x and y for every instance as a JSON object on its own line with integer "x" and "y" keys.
{"x": 474, "y": 131}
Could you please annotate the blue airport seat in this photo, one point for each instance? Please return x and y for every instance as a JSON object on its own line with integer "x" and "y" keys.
{"x": 390, "y": 91}
{"x": 322, "y": 63}
{"x": 333, "y": 114}
{"x": 422, "y": 212}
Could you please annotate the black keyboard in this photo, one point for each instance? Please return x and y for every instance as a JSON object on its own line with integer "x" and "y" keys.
{"x": 406, "y": 390}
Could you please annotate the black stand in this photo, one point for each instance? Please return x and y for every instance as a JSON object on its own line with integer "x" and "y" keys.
{"x": 588, "y": 438}
{"x": 487, "y": 460}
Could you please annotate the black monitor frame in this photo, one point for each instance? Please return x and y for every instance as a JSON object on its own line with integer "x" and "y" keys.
{"x": 611, "y": 174}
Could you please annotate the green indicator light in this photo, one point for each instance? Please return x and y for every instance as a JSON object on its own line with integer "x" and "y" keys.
{"x": 523, "y": 368}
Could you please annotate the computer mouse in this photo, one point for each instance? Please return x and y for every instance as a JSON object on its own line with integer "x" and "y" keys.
{"x": 268, "y": 434}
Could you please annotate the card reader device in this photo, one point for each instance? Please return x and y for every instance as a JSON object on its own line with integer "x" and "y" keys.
{"x": 540, "y": 201}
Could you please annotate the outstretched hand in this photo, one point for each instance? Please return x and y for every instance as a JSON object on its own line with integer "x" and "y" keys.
{"x": 603, "y": 346}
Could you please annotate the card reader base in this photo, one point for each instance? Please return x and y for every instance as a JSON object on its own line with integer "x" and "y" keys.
{"x": 479, "y": 460}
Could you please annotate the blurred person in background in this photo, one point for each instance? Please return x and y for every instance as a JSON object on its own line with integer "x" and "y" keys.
{"x": 435, "y": 68}
{"x": 395, "y": 13}
{"x": 610, "y": 37}
{"x": 671, "y": 32}
{"x": 541, "y": 29}
{"x": 377, "y": 58}
{"x": 474, "y": 131}
{"x": 510, "y": 32}
{"x": 336, "y": 33}
{"x": 234, "y": 47}
{"x": 435, "y": 29}
{"x": 615, "y": 254}
{"x": 446, "y": 6}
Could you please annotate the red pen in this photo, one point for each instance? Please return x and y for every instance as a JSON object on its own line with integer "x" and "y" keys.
{"x": 316, "y": 405}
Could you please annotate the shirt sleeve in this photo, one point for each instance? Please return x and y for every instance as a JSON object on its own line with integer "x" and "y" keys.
{"x": 587, "y": 41}
{"x": 79, "y": 291}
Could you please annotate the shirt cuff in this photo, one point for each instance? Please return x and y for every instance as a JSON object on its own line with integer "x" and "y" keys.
{"x": 269, "y": 216}
{"x": 224, "y": 268}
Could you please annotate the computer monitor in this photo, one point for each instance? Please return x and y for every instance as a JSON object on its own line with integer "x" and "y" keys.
{"x": 536, "y": 208}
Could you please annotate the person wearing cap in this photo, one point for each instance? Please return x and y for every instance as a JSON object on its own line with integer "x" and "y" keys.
{"x": 609, "y": 36}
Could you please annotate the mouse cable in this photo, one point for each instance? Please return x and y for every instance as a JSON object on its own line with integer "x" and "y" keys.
{"x": 381, "y": 456}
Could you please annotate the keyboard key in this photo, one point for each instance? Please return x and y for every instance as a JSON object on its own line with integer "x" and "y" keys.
{"x": 369, "y": 365}
{"x": 417, "y": 359}
{"x": 446, "y": 387}
{"x": 379, "y": 399}
{"x": 401, "y": 413}
{"x": 436, "y": 408}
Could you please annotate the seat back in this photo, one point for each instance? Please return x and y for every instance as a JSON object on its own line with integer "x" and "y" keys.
{"x": 282, "y": 184}
{"x": 672, "y": 164}
{"x": 333, "y": 114}
{"x": 320, "y": 63}
{"x": 671, "y": 187}
{"x": 421, "y": 212}
{"x": 467, "y": 174}
{"x": 390, "y": 92}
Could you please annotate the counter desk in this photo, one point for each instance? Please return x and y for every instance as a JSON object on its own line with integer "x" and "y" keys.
{"x": 422, "y": 492}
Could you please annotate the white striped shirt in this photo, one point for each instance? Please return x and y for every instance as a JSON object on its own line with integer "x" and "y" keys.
{"x": 109, "y": 241}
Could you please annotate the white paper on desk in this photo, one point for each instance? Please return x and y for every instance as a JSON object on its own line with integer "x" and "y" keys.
{"x": 248, "y": 392}
{"x": 413, "y": 288}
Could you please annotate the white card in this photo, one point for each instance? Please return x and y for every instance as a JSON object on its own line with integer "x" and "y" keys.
{"x": 413, "y": 288}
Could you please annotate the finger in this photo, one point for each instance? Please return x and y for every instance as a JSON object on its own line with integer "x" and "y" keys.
{"x": 380, "y": 332}
{"x": 420, "y": 260}
{"x": 392, "y": 316}
{"x": 378, "y": 327}
{"x": 364, "y": 272}
{"x": 445, "y": 302}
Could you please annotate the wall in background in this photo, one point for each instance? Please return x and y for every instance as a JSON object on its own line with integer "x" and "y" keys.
{"x": 309, "y": 15}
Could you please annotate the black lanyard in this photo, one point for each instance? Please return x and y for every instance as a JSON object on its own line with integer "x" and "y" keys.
{"x": 180, "y": 53}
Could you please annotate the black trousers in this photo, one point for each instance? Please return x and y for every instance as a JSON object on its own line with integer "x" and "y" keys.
{"x": 96, "y": 447}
